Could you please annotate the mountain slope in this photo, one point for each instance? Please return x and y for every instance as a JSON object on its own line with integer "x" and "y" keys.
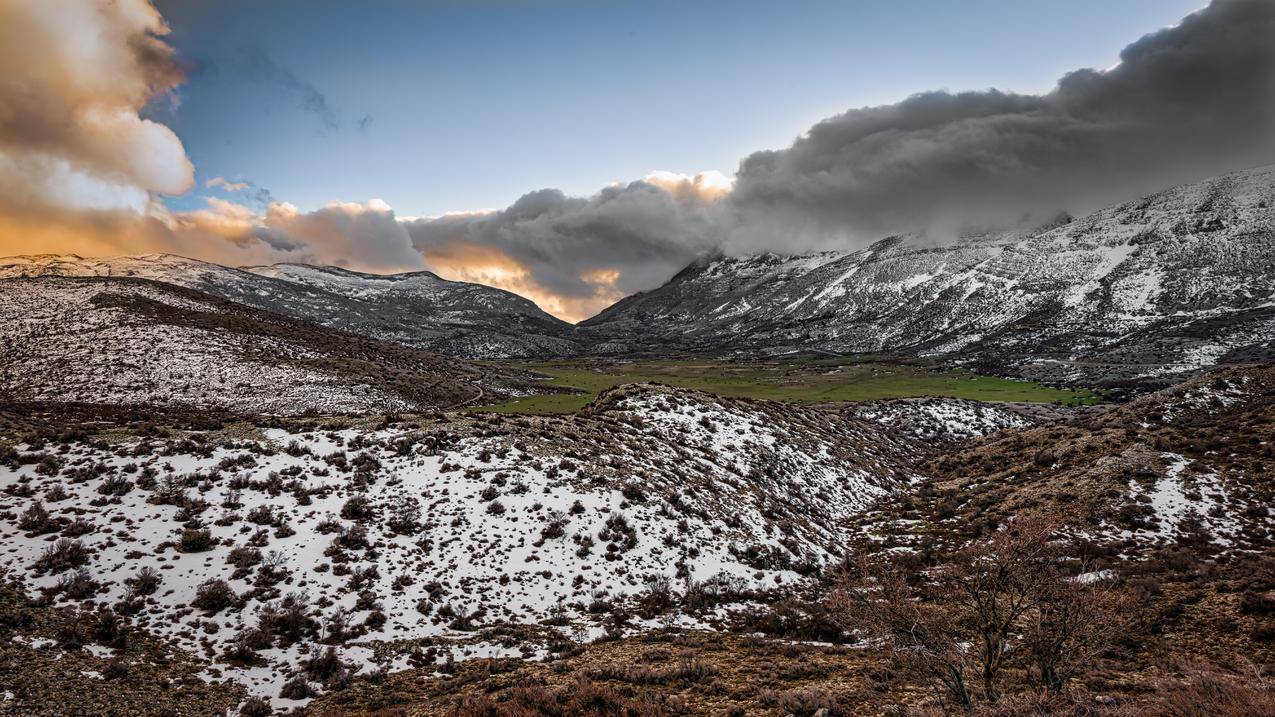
{"x": 1157, "y": 287}
{"x": 417, "y": 309}
{"x": 388, "y": 539}
{"x": 121, "y": 340}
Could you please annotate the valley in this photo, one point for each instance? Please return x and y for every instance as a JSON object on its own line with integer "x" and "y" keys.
{"x": 310, "y": 491}
{"x": 810, "y": 380}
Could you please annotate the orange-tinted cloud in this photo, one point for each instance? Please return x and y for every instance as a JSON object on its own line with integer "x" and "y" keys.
{"x": 76, "y": 75}
{"x": 486, "y": 265}
{"x": 577, "y": 255}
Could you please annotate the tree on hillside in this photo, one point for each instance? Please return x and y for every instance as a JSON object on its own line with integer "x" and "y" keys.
{"x": 1003, "y": 600}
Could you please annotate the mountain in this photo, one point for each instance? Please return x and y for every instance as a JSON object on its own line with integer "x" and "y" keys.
{"x": 418, "y": 309}
{"x": 1144, "y": 290}
{"x": 124, "y": 340}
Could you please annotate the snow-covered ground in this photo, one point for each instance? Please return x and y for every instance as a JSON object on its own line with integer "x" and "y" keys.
{"x": 417, "y": 533}
{"x": 120, "y": 341}
{"x": 942, "y": 419}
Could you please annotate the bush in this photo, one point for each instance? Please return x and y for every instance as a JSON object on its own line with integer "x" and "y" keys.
{"x": 196, "y": 541}
{"x": 583, "y": 699}
{"x": 358, "y": 507}
{"x": 296, "y": 688}
{"x": 146, "y": 582}
{"x": 36, "y": 520}
{"x": 78, "y": 585}
{"x": 115, "y": 485}
{"x": 214, "y": 596}
{"x": 61, "y": 556}
{"x": 255, "y": 707}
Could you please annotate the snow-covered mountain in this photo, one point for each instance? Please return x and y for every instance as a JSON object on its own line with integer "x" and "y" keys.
{"x": 115, "y": 340}
{"x": 1164, "y": 285}
{"x": 417, "y": 309}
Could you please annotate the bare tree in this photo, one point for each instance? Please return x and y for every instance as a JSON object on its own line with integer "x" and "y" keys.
{"x": 1076, "y": 620}
{"x": 1002, "y": 600}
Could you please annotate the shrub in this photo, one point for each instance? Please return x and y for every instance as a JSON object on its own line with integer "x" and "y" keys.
{"x": 115, "y": 485}
{"x": 196, "y": 541}
{"x": 296, "y": 688}
{"x": 404, "y": 515}
{"x": 255, "y": 707}
{"x": 62, "y": 555}
{"x": 78, "y": 585}
{"x": 36, "y": 520}
{"x": 214, "y": 596}
{"x": 146, "y": 582}
{"x": 358, "y": 507}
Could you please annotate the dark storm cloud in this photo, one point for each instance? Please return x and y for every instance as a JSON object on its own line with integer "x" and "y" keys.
{"x": 259, "y": 66}
{"x": 585, "y": 252}
{"x": 1183, "y": 103}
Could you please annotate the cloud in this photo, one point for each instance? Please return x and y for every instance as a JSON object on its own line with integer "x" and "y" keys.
{"x": 226, "y": 184}
{"x": 363, "y": 237}
{"x": 257, "y": 65}
{"x": 82, "y": 168}
{"x": 1186, "y": 102}
{"x": 577, "y": 255}
{"x": 258, "y": 195}
{"x": 74, "y": 79}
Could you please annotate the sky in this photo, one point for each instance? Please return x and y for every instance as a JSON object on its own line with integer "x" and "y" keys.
{"x": 472, "y": 104}
{"x": 576, "y": 152}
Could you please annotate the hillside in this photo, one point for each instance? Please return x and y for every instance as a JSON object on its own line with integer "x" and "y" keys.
{"x": 265, "y": 547}
{"x": 1163, "y": 502}
{"x": 1145, "y": 290}
{"x": 417, "y": 309}
{"x": 135, "y": 341}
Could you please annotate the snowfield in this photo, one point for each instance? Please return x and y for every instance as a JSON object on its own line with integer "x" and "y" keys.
{"x": 393, "y": 535}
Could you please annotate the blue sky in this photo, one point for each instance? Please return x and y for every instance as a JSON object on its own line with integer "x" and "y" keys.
{"x": 472, "y": 104}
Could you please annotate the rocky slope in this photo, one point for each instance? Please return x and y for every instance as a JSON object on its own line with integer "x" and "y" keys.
{"x": 416, "y": 309}
{"x": 1144, "y": 290}
{"x": 134, "y": 341}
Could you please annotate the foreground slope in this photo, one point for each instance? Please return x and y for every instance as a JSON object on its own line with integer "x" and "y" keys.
{"x": 133, "y": 341}
{"x": 1189, "y": 463}
{"x": 1148, "y": 289}
{"x": 417, "y": 309}
{"x": 383, "y": 537}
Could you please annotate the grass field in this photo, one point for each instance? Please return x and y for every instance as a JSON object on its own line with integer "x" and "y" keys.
{"x": 801, "y": 381}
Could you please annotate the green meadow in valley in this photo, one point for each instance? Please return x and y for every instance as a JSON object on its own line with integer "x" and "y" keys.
{"x": 825, "y": 380}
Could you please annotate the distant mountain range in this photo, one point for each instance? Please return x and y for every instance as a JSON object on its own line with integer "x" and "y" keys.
{"x": 133, "y": 341}
{"x": 1149, "y": 289}
{"x": 417, "y": 309}
{"x": 1144, "y": 291}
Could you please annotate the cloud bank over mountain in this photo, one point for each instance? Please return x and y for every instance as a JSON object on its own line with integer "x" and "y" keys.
{"x": 83, "y": 170}
{"x": 1185, "y": 102}
{"x": 1188, "y": 101}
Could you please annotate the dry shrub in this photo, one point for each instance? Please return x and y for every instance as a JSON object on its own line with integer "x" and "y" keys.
{"x": 1206, "y": 693}
{"x": 583, "y": 699}
{"x": 1199, "y": 693}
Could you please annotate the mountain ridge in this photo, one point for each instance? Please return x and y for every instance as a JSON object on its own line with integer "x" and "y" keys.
{"x": 1163, "y": 285}
{"x": 417, "y": 309}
